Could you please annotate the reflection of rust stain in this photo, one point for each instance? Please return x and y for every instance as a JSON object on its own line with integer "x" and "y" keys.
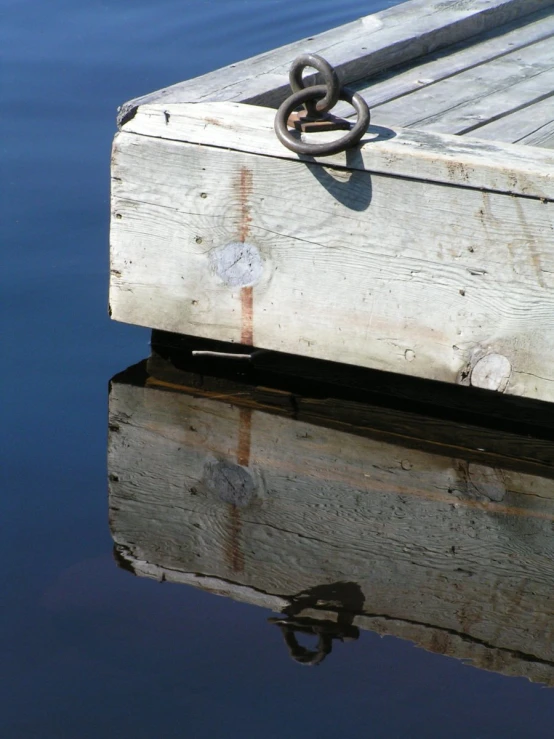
{"x": 245, "y": 190}
{"x": 440, "y": 642}
{"x": 469, "y": 615}
{"x": 245, "y": 427}
{"x": 233, "y": 552}
{"x": 247, "y": 320}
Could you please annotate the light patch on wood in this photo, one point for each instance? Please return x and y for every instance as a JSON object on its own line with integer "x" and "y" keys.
{"x": 492, "y": 372}
{"x": 237, "y": 264}
{"x": 230, "y": 482}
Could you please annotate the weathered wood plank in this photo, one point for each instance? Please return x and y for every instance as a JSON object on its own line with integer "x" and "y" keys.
{"x": 474, "y": 96}
{"x": 455, "y": 59}
{"x": 424, "y": 540}
{"x": 430, "y": 638}
{"x": 357, "y": 411}
{"x": 471, "y": 407}
{"x": 468, "y": 118}
{"x": 406, "y": 153}
{"x": 357, "y": 49}
{"x": 526, "y": 126}
{"x": 348, "y": 264}
{"x": 543, "y": 136}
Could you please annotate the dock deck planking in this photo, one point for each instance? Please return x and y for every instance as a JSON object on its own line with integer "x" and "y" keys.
{"x": 534, "y": 130}
{"x": 472, "y": 52}
{"x": 464, "y": 102}
{"x": 368, "y": 46}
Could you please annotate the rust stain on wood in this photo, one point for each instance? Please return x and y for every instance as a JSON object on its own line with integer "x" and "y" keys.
{"x": 247, "y": 318}
{"x": 246, "y": 293}
{"x": 245, "y": 190}
{"x": 470, "y": 615}
{"x": 440, "y": 642}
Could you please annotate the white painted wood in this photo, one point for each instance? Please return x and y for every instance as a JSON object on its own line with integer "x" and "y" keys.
{"x": 376, "y": 270}
{"x": 405, "y": 153}
{"x": 429, "y": 542}
{"x": 474, "y": 96}
{"x": 369, "y": 45}
{"x": 526, "y": 126}
{"x": 453, "y": 60}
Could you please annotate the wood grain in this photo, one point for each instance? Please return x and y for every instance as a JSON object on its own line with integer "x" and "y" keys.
{"x": 452, "y": 552}
{"x": 526, "y": 126}
{"x": 366, "y": 46}
{"x": 174, "y": 358}
{"x": 397, "y": 274}
{"x": 422, "y": 155}
{"x": 462, "y": 102}
{"x": 468, "y": 54}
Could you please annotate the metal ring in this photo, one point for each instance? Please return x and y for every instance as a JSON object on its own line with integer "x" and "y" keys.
{"x": 331, "y": 147}
{"x": 330, "y": 79}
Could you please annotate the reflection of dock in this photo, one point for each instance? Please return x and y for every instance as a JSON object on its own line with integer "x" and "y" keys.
{"x": 321, "y": 509}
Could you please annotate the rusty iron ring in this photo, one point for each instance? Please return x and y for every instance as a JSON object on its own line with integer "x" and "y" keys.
{"x": 317, "y": 92}
{"x": 330, "y": 79}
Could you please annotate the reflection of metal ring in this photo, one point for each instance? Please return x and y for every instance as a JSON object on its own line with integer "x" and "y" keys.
{"x": 317, "y": 92}
{"x": 330, "y": 79}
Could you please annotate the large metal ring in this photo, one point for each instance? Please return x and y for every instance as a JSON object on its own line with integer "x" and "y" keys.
{"x": 318, "y": 92}
{"x": 330, "y": 79}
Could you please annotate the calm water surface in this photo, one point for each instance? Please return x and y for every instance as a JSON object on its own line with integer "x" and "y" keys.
{"x": 88, "y": 650}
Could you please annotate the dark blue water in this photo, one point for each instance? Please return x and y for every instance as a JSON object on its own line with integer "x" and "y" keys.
{"x": 87, "y": 650}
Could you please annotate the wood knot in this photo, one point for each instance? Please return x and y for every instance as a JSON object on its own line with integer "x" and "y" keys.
{"x": 237, "y": 264}
{"x": 230, "y": 482}
{"x": 492, "y": 372}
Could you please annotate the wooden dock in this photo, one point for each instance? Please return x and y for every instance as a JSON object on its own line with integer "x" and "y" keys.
{"x": 427, "y": 250}
{"x": 340, "y": 514}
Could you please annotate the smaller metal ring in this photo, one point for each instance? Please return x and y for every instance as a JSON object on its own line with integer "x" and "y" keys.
{"x": 331, "y": 147}
{"x": 330, "y": 79}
